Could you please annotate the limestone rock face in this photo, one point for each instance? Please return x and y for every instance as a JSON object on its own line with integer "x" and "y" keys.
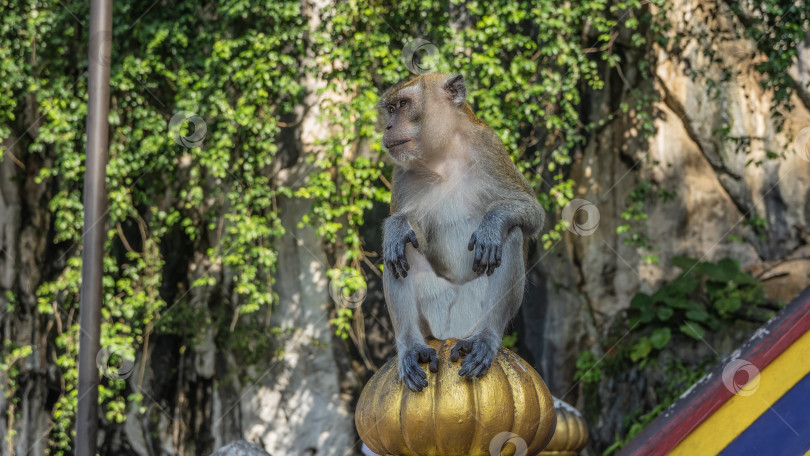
{"x": 723, "y": 187}
{"x": 733, "y": 198}
{"x": 240, "y": 448}
{"x": 296, "y": 407}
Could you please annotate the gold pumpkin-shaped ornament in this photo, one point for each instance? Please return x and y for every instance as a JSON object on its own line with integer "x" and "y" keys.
{"x": 571, "y": 434}
{"x": 508, "y": 410}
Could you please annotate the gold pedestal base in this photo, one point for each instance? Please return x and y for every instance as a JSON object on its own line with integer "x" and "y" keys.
{"x": 571, "y": 434}
{"x": 507, "y": 411}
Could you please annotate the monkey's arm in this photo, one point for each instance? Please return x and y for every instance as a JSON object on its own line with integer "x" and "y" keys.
{"x": 515, "y": 206}
{"x": 524, "y": 213}
{"x": 501, "y": 218}
{"x": 397, "y": 232}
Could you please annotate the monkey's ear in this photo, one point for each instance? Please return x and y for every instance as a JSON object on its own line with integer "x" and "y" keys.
{"x": 456, "y": 89}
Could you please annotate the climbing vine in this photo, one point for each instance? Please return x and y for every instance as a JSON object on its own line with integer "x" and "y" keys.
{"x": 202, "y": 94}
{"x": 238, "y": 72}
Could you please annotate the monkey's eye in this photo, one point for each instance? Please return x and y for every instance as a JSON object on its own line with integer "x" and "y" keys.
{"x": 391, "y": 109}
{"x": 402, "y": 103}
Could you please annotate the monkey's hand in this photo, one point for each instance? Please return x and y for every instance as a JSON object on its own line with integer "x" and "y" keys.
{"x": 478, "y": 352}
{"x": 487, "y": 241}
{"x": 397, "y": 233}
{"x": 411, "y": 372}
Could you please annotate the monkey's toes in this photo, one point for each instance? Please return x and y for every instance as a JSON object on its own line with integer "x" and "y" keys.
{"x": 478, "y": 357}
{"x": 462, "y": 348}
{"x": 429, "y": 355}
{"x": 411, "y": 372}
{"x": 475, "y": 369}
{"x": 414, "y": 382}
{"x": 414, "y": 377}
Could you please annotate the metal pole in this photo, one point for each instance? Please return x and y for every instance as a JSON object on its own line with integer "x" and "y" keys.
{"x": 95, "y": 195}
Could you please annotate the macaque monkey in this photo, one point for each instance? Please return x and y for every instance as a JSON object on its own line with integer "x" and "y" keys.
{"x": 462, "y": 214}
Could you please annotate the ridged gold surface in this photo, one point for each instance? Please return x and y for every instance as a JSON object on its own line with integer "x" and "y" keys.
{"x": 453, "y": 415}
{"x": 571, "y": 434}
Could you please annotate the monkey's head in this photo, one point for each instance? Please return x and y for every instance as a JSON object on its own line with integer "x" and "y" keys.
{"x": 421, "y": 115}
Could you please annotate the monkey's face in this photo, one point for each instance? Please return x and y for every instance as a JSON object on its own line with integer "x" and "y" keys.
{"x": 403, "y": 118}
{"x": 419, "y": 117}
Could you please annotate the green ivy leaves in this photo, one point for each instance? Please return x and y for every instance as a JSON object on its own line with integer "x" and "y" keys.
{"x": 705, "y": 296}
{"x": 705, "y": 299}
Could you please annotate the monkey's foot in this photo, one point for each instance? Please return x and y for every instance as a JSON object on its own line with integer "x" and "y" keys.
{"x": 478, "y": 356}
{"x": 411, "y": 372}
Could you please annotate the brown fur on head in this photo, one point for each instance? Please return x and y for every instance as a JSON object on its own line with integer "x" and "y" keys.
{"x": 418, "y": 114}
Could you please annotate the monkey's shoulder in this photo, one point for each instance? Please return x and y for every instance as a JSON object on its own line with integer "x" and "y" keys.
{"x": 501, "y": 173}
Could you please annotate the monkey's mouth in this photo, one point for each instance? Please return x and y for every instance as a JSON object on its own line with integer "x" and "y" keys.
{"x": 392, "y": 144}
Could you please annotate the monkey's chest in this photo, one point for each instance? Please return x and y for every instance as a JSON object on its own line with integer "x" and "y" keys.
{"x": 448, "y": 233}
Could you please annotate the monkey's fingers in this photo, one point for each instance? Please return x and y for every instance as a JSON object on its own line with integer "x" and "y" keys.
{"x": 479, "y": 255}
{"x": 487, "y": 259}
{"x": 400, "y": 251}
{"x": 492, "y": 260}
{"x": 413, "y": 240}
{"x": 471, "y": 244}
{"x": 402, "y": 268}
{"x": 397, "y": 268}
{"x": 390, "y": 266}
{"x": 402, "y": 260}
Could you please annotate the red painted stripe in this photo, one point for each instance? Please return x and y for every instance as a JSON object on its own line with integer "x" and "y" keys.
{"x": 686, "y": 414}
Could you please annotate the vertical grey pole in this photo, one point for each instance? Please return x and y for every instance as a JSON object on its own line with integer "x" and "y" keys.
{"x": 95, "y": 195}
